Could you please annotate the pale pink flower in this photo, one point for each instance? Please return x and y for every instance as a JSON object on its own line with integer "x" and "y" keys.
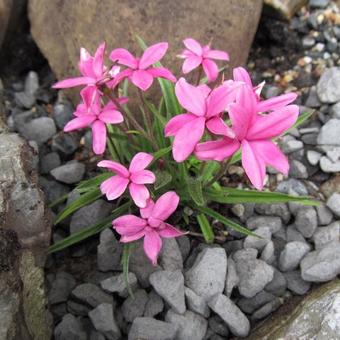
{"x": 140, "y": 70}
{"x": 151, "y": 225}
{"x": 204, "y": 107}
{"x": 92, "y": 69}
{"x": 196, "y": 55}
{"x": 91, "y": 113}
{"x": 254, "y": 134}
{"x": 241, "y": 75}
{"x": 134, "y": 178}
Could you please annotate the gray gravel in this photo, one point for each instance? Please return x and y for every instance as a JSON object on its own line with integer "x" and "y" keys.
{"x": 327, "y": 87}
{"x": 292, "y": 255}
{"x": 72, "y": 172}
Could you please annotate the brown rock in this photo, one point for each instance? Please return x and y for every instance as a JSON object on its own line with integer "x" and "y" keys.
{"x": 331, "y": 186}
{"x": 25, "y": 228}
{"x": 60, "y": 28}
{"x": 283, "y": 9}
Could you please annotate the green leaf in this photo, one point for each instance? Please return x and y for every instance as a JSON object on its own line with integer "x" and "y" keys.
{"x": 93, "y": 183}
{"x": 194, "y": 187}
{"x": 302, "y": 118}
{"x": 236, "y": 157}
{"x": 160, "y": 153}
{"x": 83, "y": 200}
{"x": 209, "y": 169}
{"x": 125, "y": 263}
{"x": 89, "y": 231}
{"x": 225, "y": 221}
{"x": 235, "y": 196}
{"x": 206, "y": 228}
{"x": 162, "y": 179}
{"x": 167, "y": 88}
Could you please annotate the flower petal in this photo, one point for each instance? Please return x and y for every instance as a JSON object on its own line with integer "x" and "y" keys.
{"x": 124, "y": 57}
{"x": 98, "y": 60}
{"x": 79, "y": 123}
{"x": 153, "y": 54}
{"x": 86, "y": 63}
{"x": 119, "y": 77}
{"x": 129, "y": 224}
{"x": 111, "y": 116}
{"x": 139, "y": 194}
{"x": 187, "y": 138}
{"x": 115, "y": 167}
{"x": 73, "y": 82}
{"x": 240, "y": 119}
{"x": 193, "y": 45}
{"x": 276, "y": 102}
{"x": 253, "y": 165}
{"x": 165, "y": 205}
{"x": 146, "y": 212}
{"x": 247, "y": 98}
{"x": 152, "y": 245}
{"x": 162, "y": 72}
{"x": 190, "y": 97}
{"x": 217, "y": 54}
{"x": 140, "y": 161}
{"x": 217, "y": 126}
{"x": 114, "y": 187}
{"x": 190, "y": 63}
{"x": 142, "y": 79}
{"x": 132, "y": 237}
{"x": 273, "y": 124}
{"x": 169, "y": 231}
{"x": 218, "y": 150}
{"x": 143, "y": 177}
{"x": 271, "y": 155}
{"x": 241, "y": 74}
{"x": 219, "y": 99}
{"x": 99, "y": 137}
{"x": 90, "y": 97}
{"x": 177, "y": 122}
{"x": 210, "y": 69}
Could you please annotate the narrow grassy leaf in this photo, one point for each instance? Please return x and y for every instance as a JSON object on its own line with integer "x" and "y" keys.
{"x": 163, "y": 178}
{"x": 205, "y": 228}
{"x": 194, "y": 187}
{"x": 89, "y": 231}
{"x": 210, "y": 168}
{"x": 160, "y": 153}
{"x": 235, "y": 196}
{"x": 82, "y": 201}
{"x": 226, "y": 221}
{"x": 93, "y": 183}
{"x": 125, "y": 264}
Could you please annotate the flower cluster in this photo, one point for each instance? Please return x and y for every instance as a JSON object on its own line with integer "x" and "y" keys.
{"x": 217, "y": 121}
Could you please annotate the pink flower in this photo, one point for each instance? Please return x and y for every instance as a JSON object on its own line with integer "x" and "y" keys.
{"x": 90, "y": 113}
{"x": 92, "y": 69}
{"x": 196, "y": 55}
{"x": 254, "y": 134}
{"x": 242, "y": 76}
{"x": 151, "y": 225}
{"x": 204, "y": 108}
{"x": 140, "y": 70}
{"x": 135, "y": 177}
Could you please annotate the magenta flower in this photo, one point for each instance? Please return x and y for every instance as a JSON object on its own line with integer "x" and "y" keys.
{"x": 254, "y": 134}
{"x": 90, "y": 113}
{"x": 242, "y": 76}
{"x": 151, "y": 225}
{"x": 135, "y": 177}
{"x": 204, "y": 108}
{"x": 196, "y": 55}
{"x": 140, "y": 70}
{"x": 92, "y": 69}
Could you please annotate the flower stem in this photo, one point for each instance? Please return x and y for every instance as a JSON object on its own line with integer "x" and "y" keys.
{"x": 220, "y": 173}
{"x": 199, "y": 75}
{"x": 146, "y": 112}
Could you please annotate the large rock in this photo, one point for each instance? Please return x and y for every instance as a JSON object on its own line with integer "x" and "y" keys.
{"x": 231, "y": 24}
{"x": 24, "y": 236}
{"x": 317, "y": 316}
{"x": 283, "y": 8}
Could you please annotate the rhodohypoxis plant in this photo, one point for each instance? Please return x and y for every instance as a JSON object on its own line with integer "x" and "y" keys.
{"x": 187, "y": 142}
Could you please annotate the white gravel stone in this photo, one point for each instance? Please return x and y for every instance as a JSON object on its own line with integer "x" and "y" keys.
{"x": 260, "y": 242}
{"x": 329, "y": 133}
{"x": 235, "y": 319}
{"x": 313, "y": 157}
{"x": 207, "y": 276}
{"x": 333, "y": 203}
{"x": 328, "y": 86}
{"x": 196, "y": 303}
{"x": 292, "y": 255}
{"x": 306, "y": 221}
{"x": 326, "y": 235}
